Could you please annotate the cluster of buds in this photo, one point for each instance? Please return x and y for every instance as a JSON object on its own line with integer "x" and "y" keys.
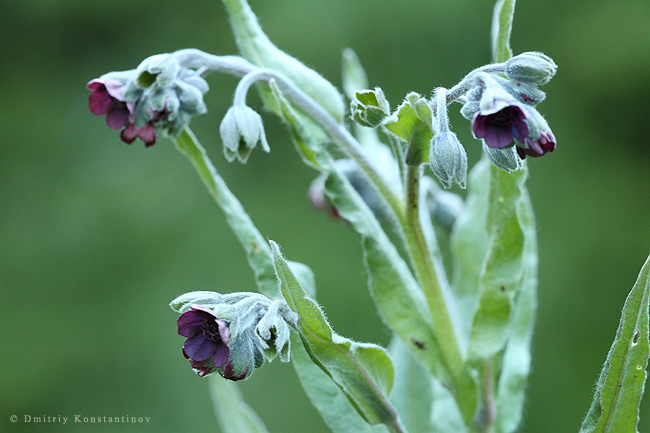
{"x": 233, "y": 333}
{"x": 499, "y": 99}
{"x": 158, "y": 97}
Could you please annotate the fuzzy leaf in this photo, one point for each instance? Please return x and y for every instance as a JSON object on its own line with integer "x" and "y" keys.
{"x": 354, "y": 76}
{"x": 307, "y": 136}
{"x": 411, "y": 123}
{"x": 412, "y": 393}
{"x": 398, "y": 297}
{"x": 615, "y": 408}
{"x": 331, "y": 402}
{"x": 504, "y": 11}
{"x": 515, "y": 364}
{"x": 256, "y": 47}
{"x": 233, "y": 414}
{"x": 257, "y": 250}
{"x": 363, "y": 371}
{"x": 487, "y": 243}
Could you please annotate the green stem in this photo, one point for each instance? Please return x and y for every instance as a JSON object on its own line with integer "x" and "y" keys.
{"x": 256, "y": 247}
{"x": 437, "y": 300}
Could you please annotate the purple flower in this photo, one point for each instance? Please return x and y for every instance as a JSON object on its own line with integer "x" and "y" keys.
{"x": 107, "y": 99}
{"x": 207, "y": 339}
{"x": 544, "y": 143}
{"x": 500, "y": 123}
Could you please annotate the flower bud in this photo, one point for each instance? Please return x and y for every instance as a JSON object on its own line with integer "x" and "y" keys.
{"x": 506, "y": 159}
{"x": 531, "y": 67}
{"x": 447, "y": 156}
{"x": 523, "y": 92}
{"x": 241, "y": 129}
{"x": 369, "y": 107}
{"x": 448, "y": 159}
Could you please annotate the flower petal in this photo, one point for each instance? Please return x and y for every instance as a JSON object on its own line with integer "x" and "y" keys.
{"x": 99, "y": 102}
{"x": 117, "y": 115}
{"x": 221, "y": 355}
{"x": 189, "y": 324}
{"x": 199, "y": 348}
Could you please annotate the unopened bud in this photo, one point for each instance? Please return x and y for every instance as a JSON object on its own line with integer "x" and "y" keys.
{"x": 448, "y": 159}
{"x": 531, "y": 67}
{"x": 241, "y": 129}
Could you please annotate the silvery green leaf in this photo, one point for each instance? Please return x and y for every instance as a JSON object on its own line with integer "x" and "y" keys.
{"x": 487, "y": 243}
{"x": 412, "y": 393}
{"x": 354, "y": 76}
{"x": 515, "y": 363}
{"x": 502, "y": 17}
{"x": 331, "y": 402}
{"x": 257, "y": 250}
{"x": 256, "y": 47}
{"x": 399, "y": 299}
{"x": 615, "y": 407}
{"x": 233, "y": 414}
{"x": 362, "y": 371}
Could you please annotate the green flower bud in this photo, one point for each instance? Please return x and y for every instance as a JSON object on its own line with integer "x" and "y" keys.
{"x": 505, "y": 159}
{"x": 448, "y": 159}
{"x": 369, "y": 107}
{"x": 241, "y": 129}
{"x": 531, "y": 67}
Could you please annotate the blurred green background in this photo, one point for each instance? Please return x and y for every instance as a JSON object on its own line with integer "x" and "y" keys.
{"x": 96, "y": 237}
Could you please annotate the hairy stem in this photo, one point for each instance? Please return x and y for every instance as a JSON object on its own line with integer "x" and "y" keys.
{"x": 438, "y": 301}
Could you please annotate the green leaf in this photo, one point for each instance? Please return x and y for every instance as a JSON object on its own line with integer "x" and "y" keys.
{"x": 257, "y": 250}
{"x": 502, "y": 17}
{"x": 396, "y": 293}
{"x": 515, "y": 364}
{"x": 256, "y": 47}
{"x": 306, "y": 135}
{"x": 354, "y": 76}
{"x": 363, "y": 371}
{"x": 233, "y": 414}
{"x": 615, "y": 407}
{"x": 487, "y": 244}
{"x": 411, "y": 123}
{"x": 412, "y": 393}
{"x": 333, "y": 405}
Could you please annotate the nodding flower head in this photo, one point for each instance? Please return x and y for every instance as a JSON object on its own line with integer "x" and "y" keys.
{"x": 158, "y": 97}
{"x": 107, "y": 99}
{"x": 232, "y": 334}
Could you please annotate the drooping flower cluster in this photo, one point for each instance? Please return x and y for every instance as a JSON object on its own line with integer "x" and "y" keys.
{"x": 502, "y": 109}
{"x": 159, "y": 97}
{"x": 232, "y": 334}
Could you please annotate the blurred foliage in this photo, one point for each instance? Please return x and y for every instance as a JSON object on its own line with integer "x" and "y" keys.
{"x": 96, "y": 237}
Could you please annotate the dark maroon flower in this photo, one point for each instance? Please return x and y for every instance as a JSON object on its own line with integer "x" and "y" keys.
{"x": 207, "y": 339}
{"x": 107, "y": 99}
{"x": 544, "y": 143}
{"x": 500, "y": 124}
